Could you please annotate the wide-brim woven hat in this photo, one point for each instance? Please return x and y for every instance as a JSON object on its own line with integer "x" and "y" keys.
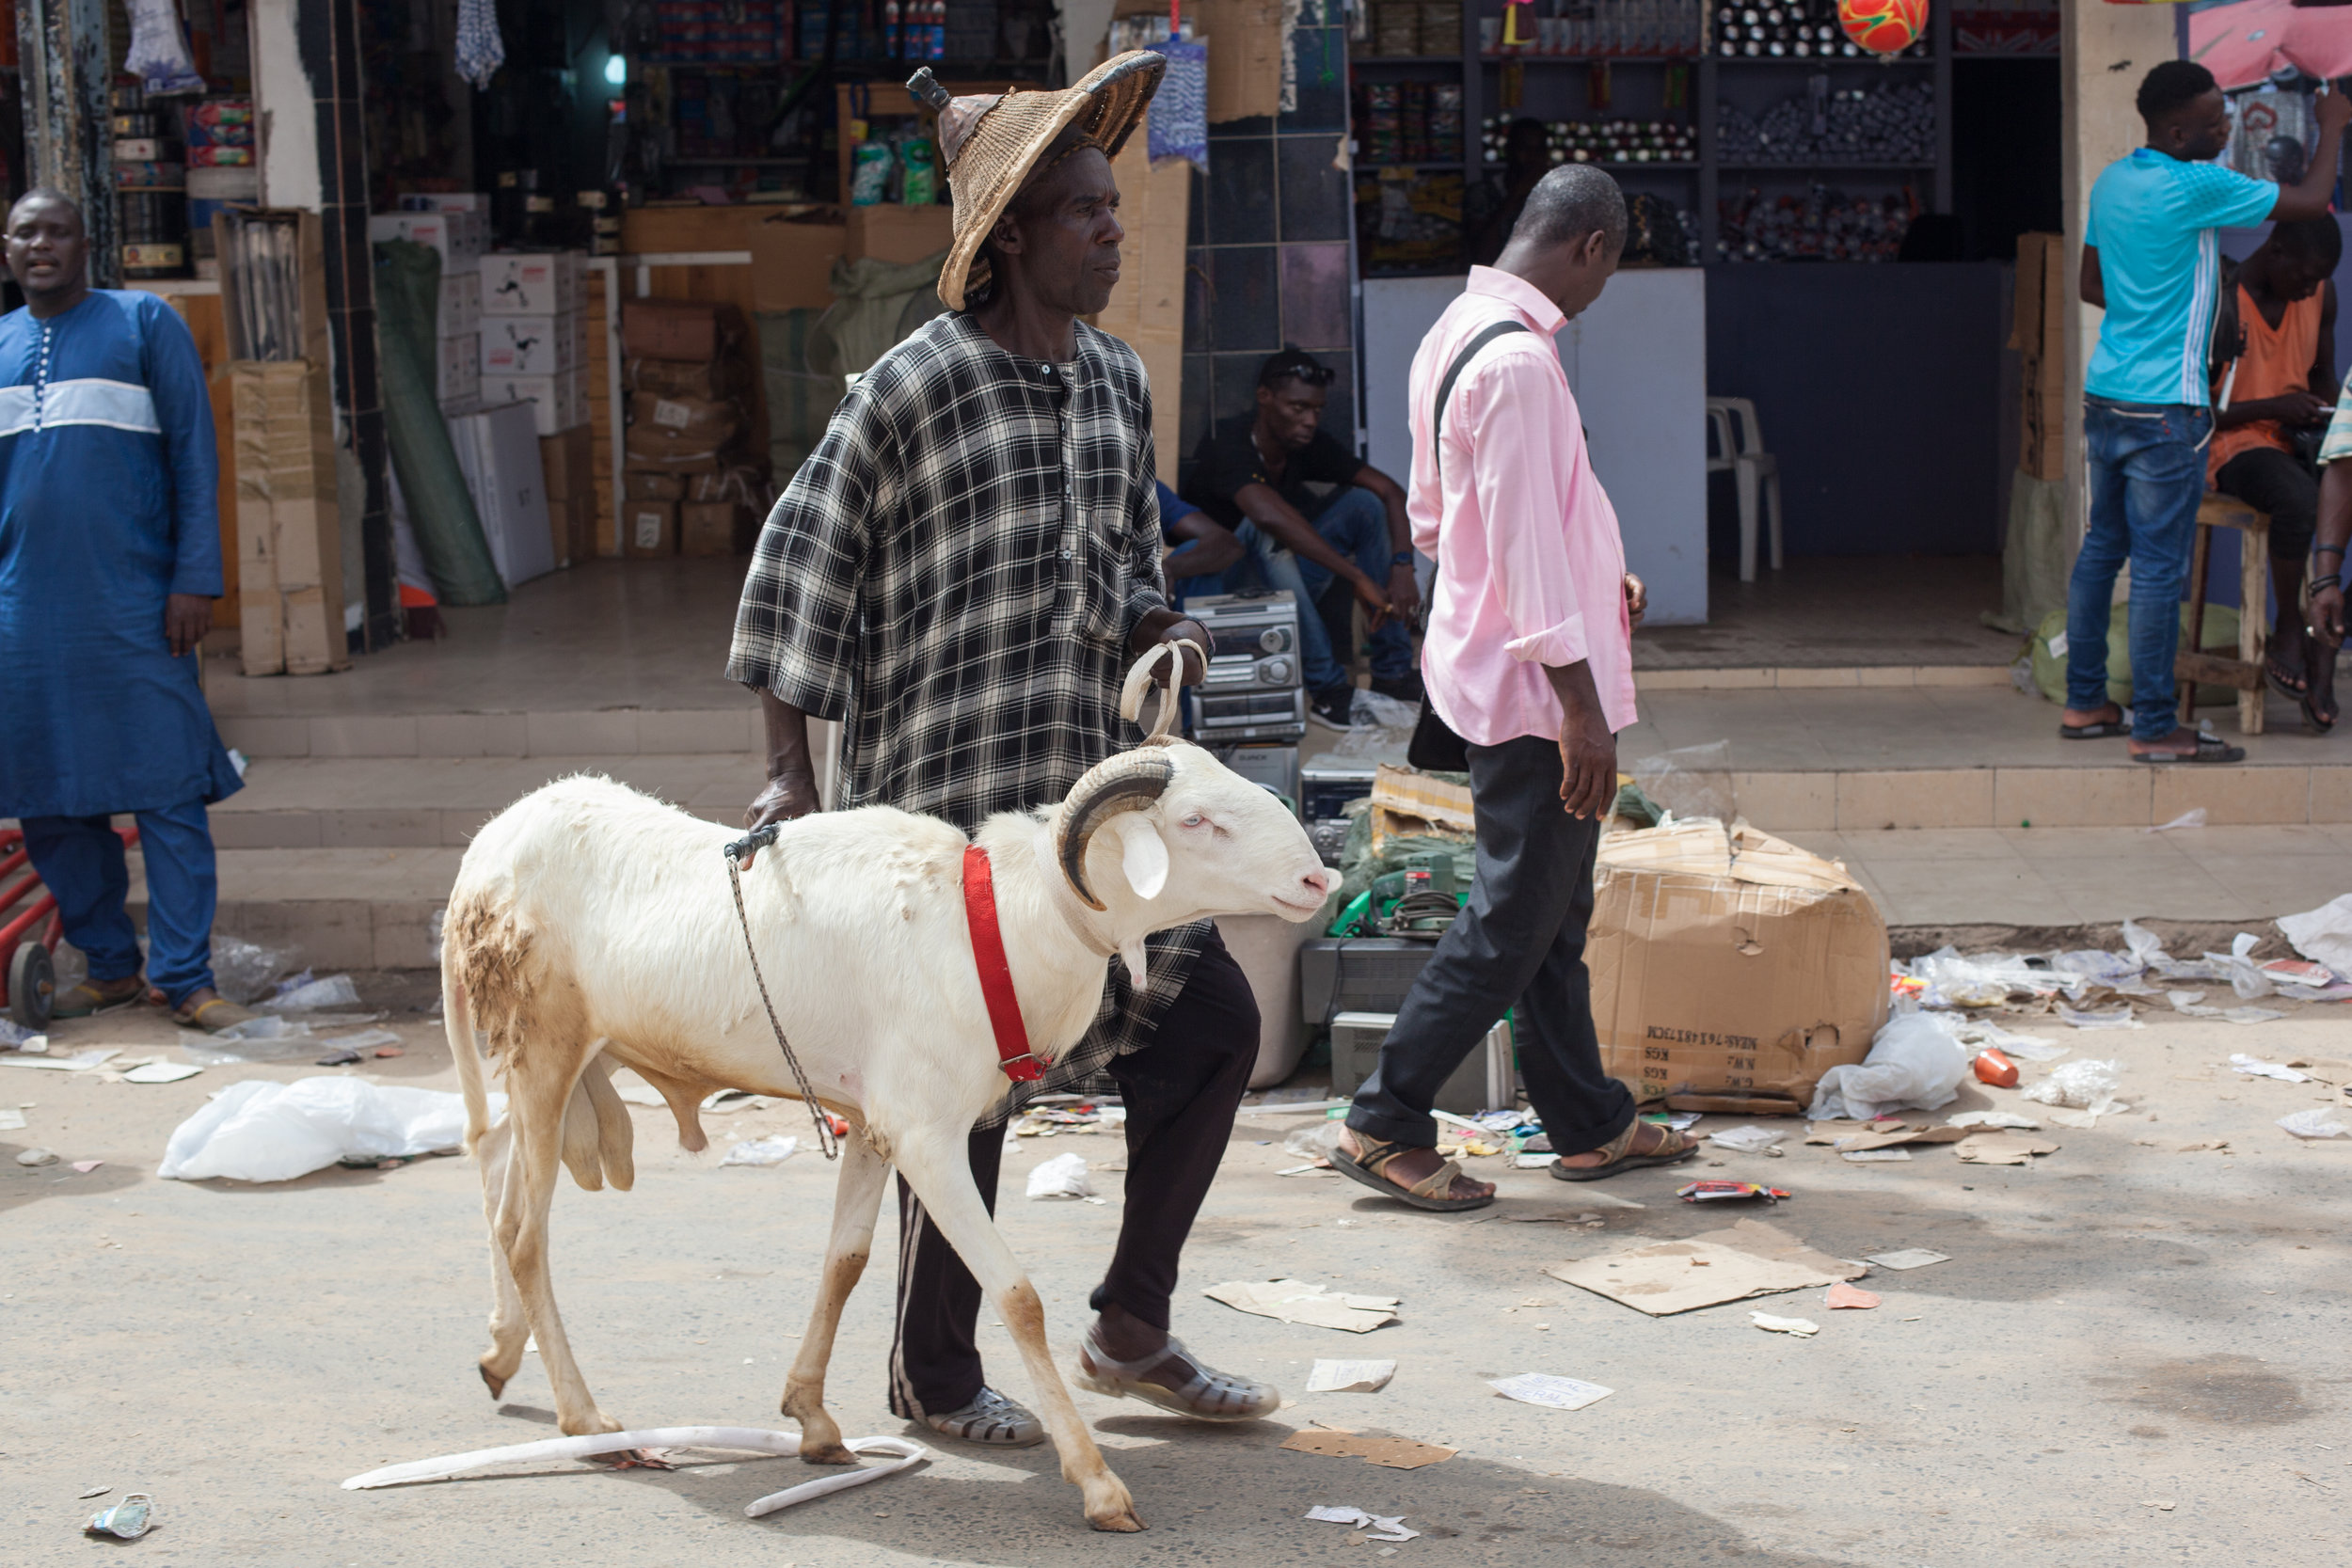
{"x": 992, "y": 144}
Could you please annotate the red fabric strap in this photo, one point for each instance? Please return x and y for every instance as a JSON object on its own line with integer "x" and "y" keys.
{"x": 988, "y": 956}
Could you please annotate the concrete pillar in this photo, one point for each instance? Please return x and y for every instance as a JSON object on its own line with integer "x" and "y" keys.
{"x": 2104, "y": 50}
{"x": 306, "y": 103}
{"x": 69, "y": 142}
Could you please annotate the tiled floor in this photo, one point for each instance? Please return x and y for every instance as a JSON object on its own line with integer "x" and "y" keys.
{"x": 1877, "y": 609}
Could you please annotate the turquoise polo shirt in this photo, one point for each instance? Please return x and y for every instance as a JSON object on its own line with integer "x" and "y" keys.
{"x": 2152, "y": 219}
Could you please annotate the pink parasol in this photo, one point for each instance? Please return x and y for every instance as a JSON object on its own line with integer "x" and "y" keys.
{"x": 2242, "y": 44}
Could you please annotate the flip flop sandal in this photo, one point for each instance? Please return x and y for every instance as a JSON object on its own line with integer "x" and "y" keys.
{"x": 1676, "y": 1147}
{"x": 194, "y": 1017}
{"x": 2210, "y": 749}
{"x": 2277, "y": 676}
{"x": 2104, "y": 729}
{"x": 87, "y": 1001}
{"x": 1206, "y": 1396}
{"x": 2311, "y": 715}
{"x": 1428, "y": 1193}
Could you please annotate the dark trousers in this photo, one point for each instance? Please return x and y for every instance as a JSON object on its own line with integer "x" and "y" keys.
{"x": 81, "y": 860}
{"x": 2282, "y": 484}
{"x": 1518, "y": 941}
{"x": 1181, "y": 1089}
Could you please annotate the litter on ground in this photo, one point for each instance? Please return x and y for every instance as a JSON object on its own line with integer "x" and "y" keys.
{"x": 1544, "y": 1388}
{"x": 1063, "y": 1176}
{"x": 773, "y": 1151}
{"x": 1294, "y": 1301}
{"x": 2000, "y": 1149}
{"x": 1906, "y": 1257}
{"x": 1803, "y": 1328}
{"x": 1395, "y": 1453}
{"x": 1376, "y": 1526}
{"x": 2320, "y": 1123}
{"x": 1842, "y": 1295}
{"x": 1750, "y": 1259}
{"x": 1349, "y": 1377}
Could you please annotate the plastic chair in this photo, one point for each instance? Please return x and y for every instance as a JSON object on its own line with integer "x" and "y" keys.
{"x": 1740, "y": 449}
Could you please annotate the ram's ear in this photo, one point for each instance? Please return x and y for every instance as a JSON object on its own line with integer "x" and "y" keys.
{"x": 1142, "y": 853}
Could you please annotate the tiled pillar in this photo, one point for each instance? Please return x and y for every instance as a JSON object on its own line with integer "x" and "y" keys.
{"x": 1268, "y": 257}
{"x": 307, "y": 95}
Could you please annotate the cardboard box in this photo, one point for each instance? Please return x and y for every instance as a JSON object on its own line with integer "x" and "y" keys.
{"x": 653, "y": 485}
{"x": 562, "y": 399}
{"x": 498, "y": 456}
{"x": 567, "y": 459}
{"x": 534, "y": 345}
{"x": 458, "y": 310}
{"x": 457, "y": 369}
{"x": 792, "y": 264}
{"x": 674, "y": 330}
{"x": 649, "y": 528}
{"x": 532, "y": 283}
{"x": 457, "y": 237}
{"x": 685, "y": 378}
{"x": 891, "y": 233}
{"x": 650, "y": 447}
{"x": 701, "y": 421}
{"x": 714, "y": 528}
{"x": 1729, "y": 973}
{"x": 290, "y": 562}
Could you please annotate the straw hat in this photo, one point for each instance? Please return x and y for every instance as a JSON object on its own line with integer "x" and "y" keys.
{"x": 991, "y": 143}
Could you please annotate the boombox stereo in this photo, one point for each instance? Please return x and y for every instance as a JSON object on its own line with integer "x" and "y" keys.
{"x": 1254, "y": 690}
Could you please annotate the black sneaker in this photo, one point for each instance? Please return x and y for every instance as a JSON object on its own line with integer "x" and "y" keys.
{"x": 1404, "y": 688}
{"x": 1333, "y": 709}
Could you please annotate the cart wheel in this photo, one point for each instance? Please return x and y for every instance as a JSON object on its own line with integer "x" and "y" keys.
{"x": 32, "y": 984}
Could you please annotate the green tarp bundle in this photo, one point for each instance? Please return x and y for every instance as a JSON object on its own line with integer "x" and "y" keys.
{"x": 441, "y": 508}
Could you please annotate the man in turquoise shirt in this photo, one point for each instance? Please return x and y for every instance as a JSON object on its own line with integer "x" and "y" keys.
{"x": 2151, "y": 263}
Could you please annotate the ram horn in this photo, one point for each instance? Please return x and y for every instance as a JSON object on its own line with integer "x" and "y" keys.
{"x": 1128, "y": 781}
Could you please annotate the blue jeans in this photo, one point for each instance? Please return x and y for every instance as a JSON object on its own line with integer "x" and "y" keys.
{"x": 81, "y": 861}
{"x": 1355, "y": 524}
{"x": 2147, "y": 476}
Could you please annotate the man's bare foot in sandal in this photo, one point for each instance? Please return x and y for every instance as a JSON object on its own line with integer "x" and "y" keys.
{"x": 207, "y": 1009}
{"x": 1638, "y": 1147}
{"x": 1414, "y": 1175}
{"x": 1127, "y": 1359}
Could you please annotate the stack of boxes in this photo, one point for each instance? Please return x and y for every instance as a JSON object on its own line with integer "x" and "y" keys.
{"x": 455, "y": 230}
{"x": 694, "y": 483}
{"x": 221, "y": 171}
{"x": 534, "y": 350}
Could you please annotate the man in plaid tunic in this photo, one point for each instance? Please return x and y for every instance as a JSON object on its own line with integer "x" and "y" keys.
{"x": 961, "y": 574}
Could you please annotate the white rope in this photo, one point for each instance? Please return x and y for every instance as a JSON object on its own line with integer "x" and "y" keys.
{"x": 908, "y": 1453}
{"x": 1140, "y": 679}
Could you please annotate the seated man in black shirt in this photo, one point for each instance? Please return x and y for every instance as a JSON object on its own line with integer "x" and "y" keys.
{"x": 1252, "y": 473}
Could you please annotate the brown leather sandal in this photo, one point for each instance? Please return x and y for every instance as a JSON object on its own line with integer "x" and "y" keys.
{"x": 1671, "y": 1148}
{"x": 1427, "y": 1193}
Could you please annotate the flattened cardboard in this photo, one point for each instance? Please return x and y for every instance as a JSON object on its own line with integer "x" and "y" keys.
{"x": 1666, "y": 1277}
{"x": 2002, "y": 1148}
{"x": 1294, "y": 1301}
{"x": 1395, "y": 1453}
{"x": 1732, "y": 990}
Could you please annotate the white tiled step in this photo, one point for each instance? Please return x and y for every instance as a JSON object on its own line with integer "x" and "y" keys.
{"x": 436, "y": 803}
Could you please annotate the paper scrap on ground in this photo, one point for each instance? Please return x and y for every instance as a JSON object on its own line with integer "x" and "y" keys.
{"x": 1842, "y": 1295}
{"x": 1750, "y": 1258}
{"x": 2323, "y": 935}
{"x": 11, "y": 1120}
{"x": 2119, "y": 1017}
{"x": 2079, "y": 1121}
{"x": 1294, "y": 1301}
{"x": 1532, "y": 1161}
{"x": 1063, "y": 1176}
{"x": 1556, "y": 1393}
{"x": 773, "y": 1151}
{"x": 162, "y": 1072}
{"x": 81, "y": 1061}
{"x": 1745, "y": 1140}
{"x": 1994, "y": 1118}
{"x": 2320, "y": 1123}
{"x": 2000, "y": 1149}
{"x": 1803, "y": 1328}
{"x": 1376, "y": 1526}
{"x": 1349, "y": 1377}
{"x": 1907, "y": 1257}
{"x": 2252, "y": 1068}
{"x": 2193, "y": 817}
{"x": 1863, "y": 1156}
{"x": 1856, "y": 1143}
{"x": 1396, "y": 1453}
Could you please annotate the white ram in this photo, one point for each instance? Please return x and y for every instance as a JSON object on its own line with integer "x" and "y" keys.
{"x": 592, "y": 927}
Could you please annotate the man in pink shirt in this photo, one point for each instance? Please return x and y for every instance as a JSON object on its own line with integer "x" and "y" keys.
{"x": 1529, "y": 657}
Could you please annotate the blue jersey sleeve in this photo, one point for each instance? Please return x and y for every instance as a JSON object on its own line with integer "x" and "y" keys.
{"x": 2216, "y": 197}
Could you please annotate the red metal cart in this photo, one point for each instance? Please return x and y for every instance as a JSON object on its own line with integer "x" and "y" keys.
{"x": 29, "y": 928}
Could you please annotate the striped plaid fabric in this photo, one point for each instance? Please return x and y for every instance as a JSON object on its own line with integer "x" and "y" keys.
{"x": 954, "y": 575}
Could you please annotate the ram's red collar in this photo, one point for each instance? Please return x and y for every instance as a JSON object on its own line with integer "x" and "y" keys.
{"x": 988, "y": 956}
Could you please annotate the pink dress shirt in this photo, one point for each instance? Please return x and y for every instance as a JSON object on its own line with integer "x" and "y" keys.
{"x": 1530, "y": 569}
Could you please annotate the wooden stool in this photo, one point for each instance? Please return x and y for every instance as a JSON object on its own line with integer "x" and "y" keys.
{"x": 2192, "y": 664}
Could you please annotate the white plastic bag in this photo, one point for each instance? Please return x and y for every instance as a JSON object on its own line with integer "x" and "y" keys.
{"x": 1745, "y": 1140}
{"x": 1063, "y": 1176}
{"x": 262, "y": 1131}
{"x": 1315, "y": 1142}
{"x": 2323, "y": 935}
{"x": 2085, "y": 1085}
{"x": 1917, "y": 1063}
{"x": 336, "y": 990}
{"x": 2319, "y": 1122}
{"x": 773, "y": 1151}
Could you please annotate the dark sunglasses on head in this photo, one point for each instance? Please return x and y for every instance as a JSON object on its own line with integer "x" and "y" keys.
{"x": 1299, "y": 369}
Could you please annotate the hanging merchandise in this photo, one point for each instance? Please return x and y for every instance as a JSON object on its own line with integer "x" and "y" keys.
{"x": 1885, "y": 27}
{"x": 479, "y": 50}
{"x": 1179, "y": 121}
{"x": 159, "y": 49}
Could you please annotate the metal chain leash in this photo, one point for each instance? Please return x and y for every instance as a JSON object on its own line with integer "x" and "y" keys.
{"x": 759, "y": 839}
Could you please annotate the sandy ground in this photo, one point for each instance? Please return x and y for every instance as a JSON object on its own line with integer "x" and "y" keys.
{"x": 2133, "y": 1354}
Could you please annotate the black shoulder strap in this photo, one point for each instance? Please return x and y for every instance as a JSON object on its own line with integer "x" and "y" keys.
{"x": 1452, "y": 374}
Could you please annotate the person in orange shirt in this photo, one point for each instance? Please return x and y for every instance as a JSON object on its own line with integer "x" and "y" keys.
{"x": 2274, "y": 383}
